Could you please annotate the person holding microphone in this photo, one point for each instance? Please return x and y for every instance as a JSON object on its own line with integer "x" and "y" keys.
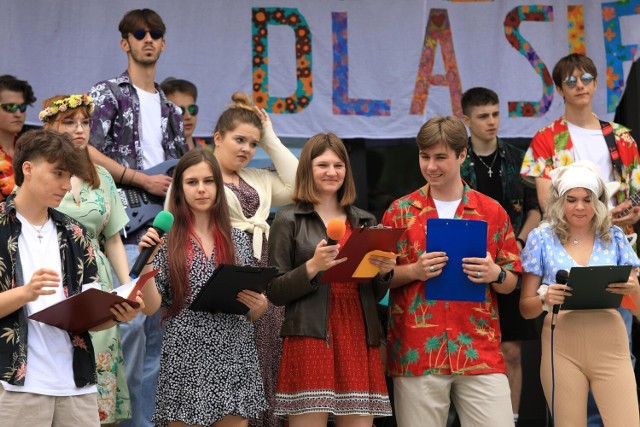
{"x": 590, "y": 347}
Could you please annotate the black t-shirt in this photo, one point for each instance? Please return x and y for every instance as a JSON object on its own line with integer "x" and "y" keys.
{"x": 488, "y": 184}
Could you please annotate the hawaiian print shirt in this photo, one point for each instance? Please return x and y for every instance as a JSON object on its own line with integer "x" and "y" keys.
{"x": 78, "y": 267}
{"x": 518, "y": 197}
{"x": 6, "y": 175}
{"x": 445, "y": 337}
{"x": 551, "y": 148}
{"x": 116, "y": 120}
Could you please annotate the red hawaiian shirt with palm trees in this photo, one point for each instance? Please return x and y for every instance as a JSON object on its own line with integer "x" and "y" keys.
{"x": 446, "y": 337}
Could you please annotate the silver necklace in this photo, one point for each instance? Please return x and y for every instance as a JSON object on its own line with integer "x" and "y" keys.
{"x": 489, "y": 167}
{"x": 576, "y": 241}
{"x": 39, "y": 230}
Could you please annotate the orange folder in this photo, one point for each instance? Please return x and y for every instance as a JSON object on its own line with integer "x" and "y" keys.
{"x": 86, "y": 310}
{"x": 363, "y": 243}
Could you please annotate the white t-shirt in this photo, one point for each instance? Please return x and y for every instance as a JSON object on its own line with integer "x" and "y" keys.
{"x": 589, "y": 144}
{"x": 446, "y": 209}
{"x": 150, "y": 128}
{"x": 49, "y": 351}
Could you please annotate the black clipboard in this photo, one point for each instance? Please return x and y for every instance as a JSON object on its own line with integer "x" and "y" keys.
{"x": 589, "y": 287}
{"x": 219, "y": 294}
{"x": 459, "y": 238}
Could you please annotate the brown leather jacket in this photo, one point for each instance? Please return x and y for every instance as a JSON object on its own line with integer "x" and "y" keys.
{"x": 295, "y": 232}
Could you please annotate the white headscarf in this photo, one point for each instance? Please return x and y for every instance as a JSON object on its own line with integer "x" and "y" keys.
{"x": 581, "y": 174}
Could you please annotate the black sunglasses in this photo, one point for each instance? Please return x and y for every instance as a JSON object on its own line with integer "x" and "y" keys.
{"x": 585, "y": 78}
{"x": 141, "y": 34}
{"x": 13, "y": 107}
{"x": 192, "y": 109}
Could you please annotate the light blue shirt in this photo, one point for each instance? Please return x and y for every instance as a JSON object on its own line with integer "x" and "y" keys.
{"x": 544, "y": 255}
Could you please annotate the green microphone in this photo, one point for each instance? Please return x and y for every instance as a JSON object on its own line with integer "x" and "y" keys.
{"x": 162, "y": 223}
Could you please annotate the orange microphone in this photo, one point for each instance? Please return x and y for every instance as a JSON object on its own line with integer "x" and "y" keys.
{"x": 335, "y": 230}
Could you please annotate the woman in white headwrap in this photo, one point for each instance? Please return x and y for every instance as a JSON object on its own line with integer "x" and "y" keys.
{"x": 590, "y": 348}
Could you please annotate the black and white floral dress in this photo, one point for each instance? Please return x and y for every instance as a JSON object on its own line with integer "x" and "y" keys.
{"x": 209, "y": 365}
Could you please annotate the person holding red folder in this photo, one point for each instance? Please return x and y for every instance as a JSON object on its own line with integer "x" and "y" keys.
{"x": 47, "y": 375}
{"x": 590, "y": 347}
{"x": 95, "y": 203}
{"x": 444, "y": 351}
{"x": 209, "y": 369}
{"x": 331, "y": 362}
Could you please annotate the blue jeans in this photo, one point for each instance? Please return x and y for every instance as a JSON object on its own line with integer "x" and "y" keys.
{"x": 141, "y": 344}
{"x": 593, "y": 415}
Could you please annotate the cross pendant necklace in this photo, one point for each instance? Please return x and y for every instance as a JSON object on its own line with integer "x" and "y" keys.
{"x": 39, "y": 230}
{"x": 489, "y": 167}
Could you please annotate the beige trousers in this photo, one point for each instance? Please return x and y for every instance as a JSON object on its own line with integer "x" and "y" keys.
{"x": 591, "y": 350}
{"x": 480, "y": 400}
{"x": 19, "y": 409}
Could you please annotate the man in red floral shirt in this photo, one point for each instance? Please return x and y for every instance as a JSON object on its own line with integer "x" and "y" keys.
{"x": 443, "y": 351}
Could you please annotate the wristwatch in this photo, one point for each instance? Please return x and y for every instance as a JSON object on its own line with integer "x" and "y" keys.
{"x": 501, "y": 277}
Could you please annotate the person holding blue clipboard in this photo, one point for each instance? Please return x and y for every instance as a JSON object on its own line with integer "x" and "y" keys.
{"x": 441, "y": 351}
{"x": 590, "y": 349}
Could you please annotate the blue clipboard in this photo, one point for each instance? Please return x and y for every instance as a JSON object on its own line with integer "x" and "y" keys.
{"x": 459, "y": 238}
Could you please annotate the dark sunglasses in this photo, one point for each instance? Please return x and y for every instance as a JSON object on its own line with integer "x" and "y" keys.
{"x": 13, "y": 107}
{"x": 141, "y": 34}
{"x": 192, "y": 109}
{"x": 585, "y": 78}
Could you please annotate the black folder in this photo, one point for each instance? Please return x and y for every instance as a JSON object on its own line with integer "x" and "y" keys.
{"x": 589, "y": 287}
{"x": 219, "y": 294}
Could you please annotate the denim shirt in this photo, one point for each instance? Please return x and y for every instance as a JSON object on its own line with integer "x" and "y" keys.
{"x": 116, "y": 120}
{"x": 78, "y": 267}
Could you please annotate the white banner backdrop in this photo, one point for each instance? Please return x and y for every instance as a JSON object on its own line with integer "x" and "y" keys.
{"x": 359, "y": 68}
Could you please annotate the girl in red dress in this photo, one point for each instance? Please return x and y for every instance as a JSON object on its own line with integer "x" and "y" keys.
{"x": 330, "y": 361}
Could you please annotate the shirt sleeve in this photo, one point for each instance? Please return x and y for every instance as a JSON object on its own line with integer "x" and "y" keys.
{"x": 532, "y": 254}
{"x": 118, "y": 216}
{"x": 106, "y": 107}
{"x": 626, "y": 254}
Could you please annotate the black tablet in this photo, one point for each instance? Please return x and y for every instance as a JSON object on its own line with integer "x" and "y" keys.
{"x": 219, "y": 294}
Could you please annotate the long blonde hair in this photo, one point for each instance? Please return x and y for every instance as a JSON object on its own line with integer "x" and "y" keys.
{"x": 555, "y": 215}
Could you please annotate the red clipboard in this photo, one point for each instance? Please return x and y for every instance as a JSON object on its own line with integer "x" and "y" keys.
{"x": 86, "y": 310}
{"x": 357, "y": 248}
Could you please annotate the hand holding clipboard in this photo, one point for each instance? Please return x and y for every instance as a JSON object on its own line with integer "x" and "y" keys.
{"x": 364, "y": 251}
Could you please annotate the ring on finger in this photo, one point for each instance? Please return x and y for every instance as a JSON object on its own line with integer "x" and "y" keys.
{"x": 478, "y": 275}
{"x": 432, "y": 268}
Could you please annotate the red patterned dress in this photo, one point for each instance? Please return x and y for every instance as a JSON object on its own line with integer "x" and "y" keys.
{"x": 341, "y": 375}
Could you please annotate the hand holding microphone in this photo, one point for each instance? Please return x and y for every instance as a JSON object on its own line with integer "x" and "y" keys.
{"x": 335, "y": 230}
{"x": 162, "y": 223}
{"x": 325, "y": 254}
{"x": 562, "y": 277}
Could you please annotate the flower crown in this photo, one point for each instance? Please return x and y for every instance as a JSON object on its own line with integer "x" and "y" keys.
{"x": 62, "y": 105}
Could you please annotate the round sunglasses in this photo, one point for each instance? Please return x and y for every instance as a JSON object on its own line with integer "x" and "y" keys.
{"x": 585, "y": 78}
{"x": 192, "y": 109}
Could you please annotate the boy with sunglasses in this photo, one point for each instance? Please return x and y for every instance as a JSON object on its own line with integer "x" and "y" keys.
{"x": 580, "y": 135}
{"x": 184, "y": 94}
{"x": 15, "y": 96}
{"x": 135, "y": 127}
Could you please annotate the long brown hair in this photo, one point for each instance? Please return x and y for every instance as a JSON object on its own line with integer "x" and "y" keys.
{"x": 179, "y": 246}
{"x": 90, "y": 173}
